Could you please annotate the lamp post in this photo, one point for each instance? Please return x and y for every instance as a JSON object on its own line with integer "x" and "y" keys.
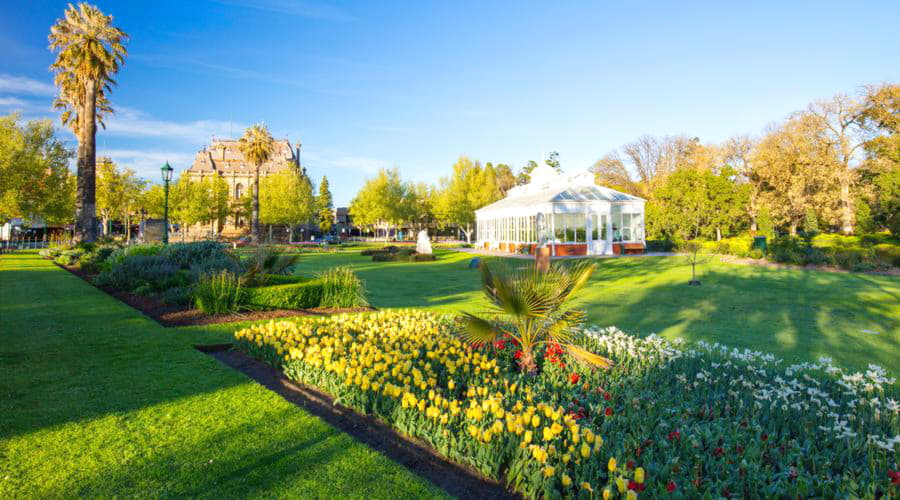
{"x": 167, "y": 177}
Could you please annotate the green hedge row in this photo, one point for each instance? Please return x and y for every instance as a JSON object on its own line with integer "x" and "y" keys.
{"x": 302, "y": 295}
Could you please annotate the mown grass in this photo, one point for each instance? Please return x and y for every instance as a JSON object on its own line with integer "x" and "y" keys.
{"x": 97, "y": 400}
{"x": 796, "y": 314}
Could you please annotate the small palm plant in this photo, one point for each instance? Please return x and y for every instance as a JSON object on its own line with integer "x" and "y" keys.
{"x": 533, "y": 304}
{"x": 265, "y": 262}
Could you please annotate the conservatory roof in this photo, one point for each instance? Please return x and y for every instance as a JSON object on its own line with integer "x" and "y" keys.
{"x": 559, "y": 193}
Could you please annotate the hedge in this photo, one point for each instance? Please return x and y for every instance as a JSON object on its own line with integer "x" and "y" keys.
{"x": 399, "y": 257}
{"x": 303, "y": 295}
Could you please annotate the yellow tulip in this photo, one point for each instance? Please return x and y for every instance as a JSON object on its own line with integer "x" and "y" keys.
{"x": 639, "y": 475}
{"x": 631, "y": 495}
{"x": 549, "y": 471}
{"x": 566, "y": 481}
{"x": 585, "y": 451}
{"x": 607, "y": 494}
{"x": 620, "y": 484}
{"x": 587, "y": 486}
{"x": 611, "y": 465}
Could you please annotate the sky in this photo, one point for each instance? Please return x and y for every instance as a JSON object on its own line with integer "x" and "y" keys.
{"x": 414, "y": 85}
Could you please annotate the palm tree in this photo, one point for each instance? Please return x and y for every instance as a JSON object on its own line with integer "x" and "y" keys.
{"x": 531, "y": 306}
{"x": 90, "y": 51}
{"x": 257, "y": 146}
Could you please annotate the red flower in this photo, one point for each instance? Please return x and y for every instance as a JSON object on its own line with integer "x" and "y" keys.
{"x": 574, "y": 378}
{"x": 609, "y": 412}
{"x": 670, "y": 487}
{"x": 764, "y": 437}
{"x": 607, "y": 396}
{"x": 718, "y": 452}
{"x": 632, "y": 485}
{"x": 640, "y": 487}
{"x": 500, "y": 344}
{"x": 895, "y": 476}
{"x": 518, "y": 354}
{"x": 630, "y": 464}
{"x": 674, "y": 435}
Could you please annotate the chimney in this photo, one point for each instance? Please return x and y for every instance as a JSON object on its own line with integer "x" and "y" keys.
{"x": 298, "y": 152}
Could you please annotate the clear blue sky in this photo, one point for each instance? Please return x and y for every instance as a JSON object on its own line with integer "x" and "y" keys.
{"x": 415, "y": 84}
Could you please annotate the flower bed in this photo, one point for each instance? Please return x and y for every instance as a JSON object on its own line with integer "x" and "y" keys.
{"x": 706, "y": 420}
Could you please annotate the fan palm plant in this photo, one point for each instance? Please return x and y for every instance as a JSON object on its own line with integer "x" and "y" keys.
{"x": 90, "y": 51}
{"x": 264, "y": 262}
{"x": 529, "y": 305}
{"x": 257, "y": 146}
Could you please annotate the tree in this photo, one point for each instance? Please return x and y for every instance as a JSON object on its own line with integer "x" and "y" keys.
{"x": 213, "y": 202}
{"x": 736, "y": 153}
{"x": 257, "y": 146}
{"x": 880, "y": 173}
{"x": 325, "y": 207}
{"x": 466, "y": 190}
{"x": 117, "y": 195}
{"x": 34, "y": 175}
{"x": 644, "y": 163}
{"x": 794, "y": 168}
{"x": 552, "y": 160}
{"x": 186, "y": 204}
{"x": 506, "y": 180}
{"x": 840, "y": 122}
{"x": 287, "y": 199}
{"x": 90, "y": 51}
{"x": 380, "y": 203}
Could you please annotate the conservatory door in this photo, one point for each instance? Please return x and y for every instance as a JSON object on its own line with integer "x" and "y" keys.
{"x": 599, "y": 224}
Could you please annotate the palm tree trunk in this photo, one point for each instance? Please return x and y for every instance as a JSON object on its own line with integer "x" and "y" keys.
{"x": 85, "y": 199}
{"x": 254, "y": 218}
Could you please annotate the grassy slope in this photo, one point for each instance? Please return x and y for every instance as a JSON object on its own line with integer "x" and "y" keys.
{"x": 97, "y": 400}
{"x": 799, "y": 315}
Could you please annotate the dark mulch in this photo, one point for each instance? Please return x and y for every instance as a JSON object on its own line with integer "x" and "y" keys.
{"x": 169, "y": 315}
{"x": 457, "y": 480}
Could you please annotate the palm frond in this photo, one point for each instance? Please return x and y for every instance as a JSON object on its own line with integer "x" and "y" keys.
{"x": 588, "y": 357}
{"x": 561, "y": 329}
{"x": 477, "y": 330}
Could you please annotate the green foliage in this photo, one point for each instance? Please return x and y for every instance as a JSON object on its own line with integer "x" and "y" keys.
{"x": 864, "y": 222}
{"x": 341, "y": 287}
{"x": 120, "y": 254}
{"x": 304, "y": 295}
{"x": 142, "y": 270}
{"x": 469, "y": 188}
{"x": 177, "y": 295}
{"x": 34, "y": 174}
{"x": 324, "y": 206}
{"x": 535, "y": 304}
{"x": 219, "y": 293}
{"x": 694, "y": 203}
{"x": 265, "y": 262}
{"x": 186, "y": 254}
{"x": 810, "y": 222}
{"x": 286, "y": 198}
{"x": 764, "y": 223}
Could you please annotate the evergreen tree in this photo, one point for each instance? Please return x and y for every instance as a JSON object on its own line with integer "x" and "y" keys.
{"x": 325, "y": 207}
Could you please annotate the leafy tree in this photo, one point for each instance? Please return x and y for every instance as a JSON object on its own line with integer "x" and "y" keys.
{"x": 552, "y": 160}
{"x": 865, "y": 224}
{"x": 643, "y": 164}
{"x": 34, "y": 176}
{"x": 118, "y": 194}
{"x": 469, "y": 188}
{"x": 506, "y": 180}
{"x": 325, "y": 207}
{"x": 382, "y": 201}
{"x": 90, "y": 51}
{"x": 287, "y": 199}
{"x": 696, "y": 203}
{"x": 793, "y": 165}
{"x": 880, "y": 174}
{"x": 213, "y": 198}
{"x": 257, "y": 146}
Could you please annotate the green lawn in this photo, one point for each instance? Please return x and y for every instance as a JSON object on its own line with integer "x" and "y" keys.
{"x": 798, "y": 315}
{"x": 98, "y": 401}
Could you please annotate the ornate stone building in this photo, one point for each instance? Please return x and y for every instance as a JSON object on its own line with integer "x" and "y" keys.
{"x": 223, "y": 158}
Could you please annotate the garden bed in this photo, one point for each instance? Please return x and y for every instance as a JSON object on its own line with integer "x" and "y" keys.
{"x": 178, "y": 315}
{"x": 418, "y": 457}
{"x": 702, "y": 421}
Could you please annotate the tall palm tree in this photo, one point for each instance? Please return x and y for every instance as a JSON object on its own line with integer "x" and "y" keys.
{"x": 257, "y": 146}
{"x": 531, "y": 306}
{"x": 90, "y": 50}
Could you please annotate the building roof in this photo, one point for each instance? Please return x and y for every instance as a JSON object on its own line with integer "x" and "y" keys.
{"x": 548, "y": 186}
{"x": 224, "y": 156}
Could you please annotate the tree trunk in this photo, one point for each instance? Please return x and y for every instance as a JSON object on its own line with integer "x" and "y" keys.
{"x": 254, "y": 218}
{"x": 846, "y": 205}
{"x": 793, "y": 228}
{"x": 127, "y": 229}
{"x": 85, "y": 199}
{"x": 718, "y": 234}
{"x": 270, "y": 234}
{"x": 468, "y": 232}
{"x": 290, "y": 233}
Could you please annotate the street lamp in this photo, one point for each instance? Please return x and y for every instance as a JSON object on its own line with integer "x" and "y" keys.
{"x": 167, "y": 177}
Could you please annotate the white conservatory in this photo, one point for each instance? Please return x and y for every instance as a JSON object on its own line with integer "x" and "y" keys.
{"x": 570, "y": 214}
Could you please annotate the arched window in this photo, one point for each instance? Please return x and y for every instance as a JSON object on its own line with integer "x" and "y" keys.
{"x": 238, "y": 190}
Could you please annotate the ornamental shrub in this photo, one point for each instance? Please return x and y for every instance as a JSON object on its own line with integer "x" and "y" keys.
{"x": 177, "y": 296}
{"x": 887, "y": 254}
{"x": 341, "y": 287}
{"x": 303, "y": 295}
{"x": 186, "y": 254}
{"x": 134, "y": 271}
{"x": 215, "y": 264}
{"x": 219, "y": 293}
